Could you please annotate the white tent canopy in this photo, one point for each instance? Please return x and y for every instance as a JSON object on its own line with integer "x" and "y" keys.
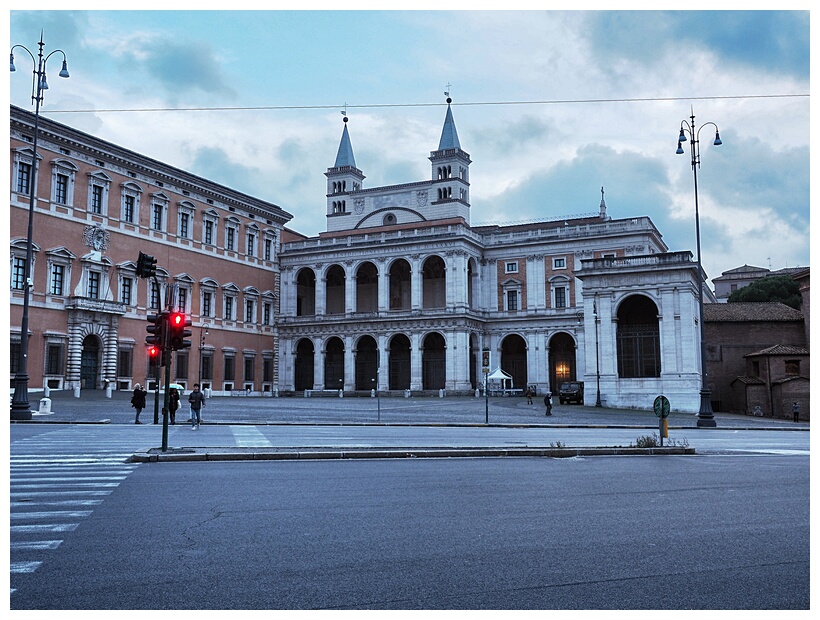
{"x": 499, "y": 375}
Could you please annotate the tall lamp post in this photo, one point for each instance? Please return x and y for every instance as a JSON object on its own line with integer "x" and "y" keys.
{"x": 597, "y": 356}
{"x": 20, "y": 409}
{"x": 202, "y": 333}
{"x": 705, "y": 416}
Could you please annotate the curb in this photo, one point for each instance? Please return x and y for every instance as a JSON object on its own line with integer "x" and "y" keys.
{"x": 227, "y": 454}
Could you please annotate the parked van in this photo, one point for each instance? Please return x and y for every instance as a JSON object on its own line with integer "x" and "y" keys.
{"x": 571, "y": 391}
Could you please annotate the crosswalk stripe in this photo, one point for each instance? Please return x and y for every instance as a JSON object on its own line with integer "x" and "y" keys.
{"x": 52, "y": 514}
{"x": 35, "y": 545}
{"x": 24, "y": 567}
{"x": 40, "y": 528}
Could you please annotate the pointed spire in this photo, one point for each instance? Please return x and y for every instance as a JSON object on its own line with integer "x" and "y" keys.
{"x": 449, "y": 135}
{"x": 345, "y": 155}
{"x": 602, "y": 208}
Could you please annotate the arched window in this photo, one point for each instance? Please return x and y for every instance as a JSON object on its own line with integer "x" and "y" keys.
{"x": 639, "y": 343}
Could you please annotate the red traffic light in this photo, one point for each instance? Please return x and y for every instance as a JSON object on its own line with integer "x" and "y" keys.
{"x": 153, "y": 352}
{"x": 177, "y": 319}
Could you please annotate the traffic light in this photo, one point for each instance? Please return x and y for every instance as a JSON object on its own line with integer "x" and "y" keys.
{"x": 153, "y": 353}
{"x": 146, "y": 266}
{"x": 156, "y": 330}
{"x": 485, "y": 358}
{"x": 177, "y": 332}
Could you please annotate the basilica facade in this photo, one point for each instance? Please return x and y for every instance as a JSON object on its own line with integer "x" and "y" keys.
{"x": 401, "y": 294}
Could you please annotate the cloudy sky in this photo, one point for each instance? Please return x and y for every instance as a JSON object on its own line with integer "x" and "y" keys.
{"x": 551, "y": 106}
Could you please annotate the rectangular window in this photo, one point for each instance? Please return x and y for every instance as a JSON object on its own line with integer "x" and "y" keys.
{"x": 251, "y": 243}
{"x": 57, "y": 279}
{"x": 206, "y": 368}
{"x": 228, "y": 308}
{"x": 23, "y": 178}
{"x": 560, "y": 297}
{"x": 124, "y": 362}
{"x": 54, "y": 359}
{"x": 229, "y": 238}
{"x": 18, "y": 273}
{"x": 183, "y": 225}
{"x": 182, "y": 300}
{"x": 14, "y": 365}
{"x": 249, "y": 311}
{"x": 209, "y": 232}
{"x": 206, "y": 304}
{"x": 154, "y": 296}
{"x": 94, "y": 284}
{"x": 512, "y": 300}
{"x": 511, "y": 267}
{"x": 267, "y": 370}
{"x": 249, "y": 364}
{"x": 96, "y": 199}
{"x": 181, "y": 370}
{"x": 128, "y": 209}
{"x": 228, "y": 370}
{"x": 268, "y": 246}
{"x": 792, "y": 368}
{"x": 61, "y": 189}
{"x": 156, "y": 222}
{"x": 125, "y": 293}
{"x": 559, "y": 263}
{"x": 266, "y": 314}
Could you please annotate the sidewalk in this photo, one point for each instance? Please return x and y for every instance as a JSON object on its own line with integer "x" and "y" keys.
{"x": 94, "y": 407}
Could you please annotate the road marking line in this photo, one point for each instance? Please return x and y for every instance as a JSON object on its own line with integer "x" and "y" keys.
{"x": 35, "y": 545}
{"x": 24, "y": 567}
{"x": 249, "y": 437}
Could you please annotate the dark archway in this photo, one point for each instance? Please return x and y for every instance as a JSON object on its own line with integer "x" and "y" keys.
{"x": 562, "y": 360}
{"x": 514, "y": 359}
{"x": 334, "y": 364}
{"x": 473, "y": 353}
{"x": 305, "y": 292}
{"x": 335, "y": 290}
{"x": 90, "y": 363}
{"x": 399, "y": 363}
{"x": 434, "y": 283}
{"x": 433, "y": 362}
{"x": 367, "y": 288}
{"x": 367, "y": 363}
{"x": 303, "y": 367}
{"x": 400, "y": 298}
{"x": 639, "y": 342}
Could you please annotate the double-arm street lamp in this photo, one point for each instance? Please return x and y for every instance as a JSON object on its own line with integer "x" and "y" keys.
{"x": 705, "y": 416}
{"x": 20, "y": 409}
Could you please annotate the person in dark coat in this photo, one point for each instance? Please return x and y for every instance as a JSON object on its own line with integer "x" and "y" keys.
{"x": 173, "y": 404}
{"x": 138, "y": 401}
{"x": 548, "y": 403}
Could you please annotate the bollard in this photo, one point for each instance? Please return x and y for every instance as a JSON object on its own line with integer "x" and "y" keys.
{"x": 45, "y": 405}
{"x": 407, "y": 393}
{"x": 76, "y": 391}
{"x": 108, "y": 391}
{"x": 207, "y": 392}
{"x": 441, "y": 393}
{"x": 477, "y": 393}
{"x": 341, "y": 393}
{"x": 372, "y": 393}
{"x": 276, "y": 392}
{"x": 46, "y": 391}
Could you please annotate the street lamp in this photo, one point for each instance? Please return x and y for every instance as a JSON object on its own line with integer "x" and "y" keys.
{"x": 202, "y": 333}
{"x": 20, "y": 409}
{"x": 597, "y": 357}
{"x": 705, "y": 416}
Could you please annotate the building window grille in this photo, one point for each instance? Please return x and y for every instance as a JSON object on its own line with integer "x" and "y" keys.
{"x": 23, "y": 178}
{"x": 57, "y": 279}
{"x": 18, "y": 273}
{"x": 94, "y": 284}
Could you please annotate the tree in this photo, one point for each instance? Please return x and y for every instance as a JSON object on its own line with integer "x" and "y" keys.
{"x": 771, "y": 288}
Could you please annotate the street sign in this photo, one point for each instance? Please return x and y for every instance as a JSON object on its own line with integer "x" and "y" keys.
{"x": 661, "y": 406}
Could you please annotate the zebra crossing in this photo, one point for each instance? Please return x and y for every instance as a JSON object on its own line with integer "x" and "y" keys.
{"x": 56, "y": 480}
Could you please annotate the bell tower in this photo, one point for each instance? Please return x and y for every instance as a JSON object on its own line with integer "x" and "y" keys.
{"x": 450, "y": 165}
{"x": 343, "y": 178}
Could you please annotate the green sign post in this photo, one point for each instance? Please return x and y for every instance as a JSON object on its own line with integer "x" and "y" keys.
{"x": 661, "y": 407}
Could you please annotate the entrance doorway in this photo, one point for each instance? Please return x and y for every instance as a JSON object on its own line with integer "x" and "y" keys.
{"x": 90, "y": 363}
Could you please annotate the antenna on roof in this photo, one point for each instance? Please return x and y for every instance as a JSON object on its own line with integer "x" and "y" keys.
{"x": 447, "y": 92}
{"x": 344, "y": 112}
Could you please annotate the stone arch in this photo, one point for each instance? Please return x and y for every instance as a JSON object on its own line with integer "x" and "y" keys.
{"x": 638, "y": 338}
{"x": 514, "y": 359}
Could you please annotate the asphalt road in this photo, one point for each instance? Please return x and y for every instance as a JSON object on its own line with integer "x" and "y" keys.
{"x": 677, "y": 532}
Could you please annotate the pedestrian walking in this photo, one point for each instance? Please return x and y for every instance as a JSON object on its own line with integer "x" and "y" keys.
{"x": 548, "y": 403}
{"x": 197, "y": 401}
{"x": 173, "y": 404}
{"x": 796, "y": 411}
{"x": 529, "y": 394}
{"x": 138, "y": 401}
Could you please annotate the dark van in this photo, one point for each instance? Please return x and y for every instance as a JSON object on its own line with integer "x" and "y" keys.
{"x": 571, "y": 392}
